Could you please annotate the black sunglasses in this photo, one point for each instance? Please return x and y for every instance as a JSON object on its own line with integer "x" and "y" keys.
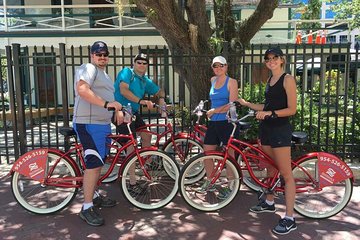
{"x": 268, "y": 59}
{"x": 101, "y": 54}
{"x": 141, "y": 63}
{"x": 218, "y": 65}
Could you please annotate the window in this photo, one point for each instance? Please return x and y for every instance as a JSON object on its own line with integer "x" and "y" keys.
{"x": 343, "y": 38}
{"x": 58, "y": 10}
{"x": 236, "y": 14}
{"x": 208, "y": 13}
{"x": 331, "y": 39}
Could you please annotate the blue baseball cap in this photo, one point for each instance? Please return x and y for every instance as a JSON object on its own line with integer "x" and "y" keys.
{"x": 275, "y": 50}
{"x": 99, "y": 46}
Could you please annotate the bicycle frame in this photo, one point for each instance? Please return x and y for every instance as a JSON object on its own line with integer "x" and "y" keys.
{"x": 33, "y": 163}
{"x": 331, "y": 168}
{"x": 197, "y": 134}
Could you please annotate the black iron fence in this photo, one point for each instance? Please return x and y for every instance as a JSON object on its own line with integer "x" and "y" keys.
{"x": 36, "y": 91}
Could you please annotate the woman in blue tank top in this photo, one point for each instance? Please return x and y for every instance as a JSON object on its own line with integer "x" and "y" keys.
{"x": 275, "y": 133}
{"x": 223, "y": 90}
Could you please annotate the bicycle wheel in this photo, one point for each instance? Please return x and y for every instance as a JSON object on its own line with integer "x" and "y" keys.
{"x": 218, "y": 195}
{"x": 314, "y": 202}
{"x": 155, "y": 192}
{"x": 184, "y": 149}
{"x": 41, "y": 198}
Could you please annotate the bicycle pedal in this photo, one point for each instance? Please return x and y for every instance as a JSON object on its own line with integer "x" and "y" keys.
{"x": 278, "y": 193}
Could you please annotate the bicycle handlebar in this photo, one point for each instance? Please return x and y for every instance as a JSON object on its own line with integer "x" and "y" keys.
{"x": 251, "y": 113}
{"x": 124, "y": 110}
{"x": 199, "y": 109}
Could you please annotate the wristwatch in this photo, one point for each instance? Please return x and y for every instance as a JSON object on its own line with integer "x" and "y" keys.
{"x": 105, "y": 104}
{"x": 273, "y": 114}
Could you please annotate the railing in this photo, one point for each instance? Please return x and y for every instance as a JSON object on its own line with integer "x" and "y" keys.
{"x": 38, "y": 96}
{"x": 109, "y": 17}
{"x": 71, "y": 17}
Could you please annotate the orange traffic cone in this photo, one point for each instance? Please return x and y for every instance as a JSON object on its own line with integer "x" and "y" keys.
{"x": 310, "y": 37}
{"x": 298, "y": 38}
{"x": 323, "y": 37}
{"x": 318, "y": 38}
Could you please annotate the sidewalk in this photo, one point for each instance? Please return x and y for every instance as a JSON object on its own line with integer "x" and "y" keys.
{"x": 175, "y": 221}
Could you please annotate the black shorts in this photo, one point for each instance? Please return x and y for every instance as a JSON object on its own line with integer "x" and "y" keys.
{"x": 123, "y": 129}
{"x": 275, "y": 136}
{"x": 219, "y": 132}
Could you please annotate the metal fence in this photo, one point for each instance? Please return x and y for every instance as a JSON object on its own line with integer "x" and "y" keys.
{"x": 37, "y": 91}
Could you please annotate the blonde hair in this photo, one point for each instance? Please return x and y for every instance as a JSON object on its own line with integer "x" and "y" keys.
{"x": 283, "y": 64}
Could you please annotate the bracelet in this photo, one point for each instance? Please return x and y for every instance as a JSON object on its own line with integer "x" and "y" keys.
{"x": 139, "y": 101}
{"x": 106, "y": 103}
{"x": 273, "y": 114}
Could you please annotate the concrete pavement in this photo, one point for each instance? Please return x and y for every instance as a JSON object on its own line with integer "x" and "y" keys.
{"x": 175, "y": 221}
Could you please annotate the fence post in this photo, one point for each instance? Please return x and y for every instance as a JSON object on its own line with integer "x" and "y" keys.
{"x": 12, "y": 101}
{"x": 19, "y": 99}
{"x": 64, "y": 92}
{"x": 64, "y": 85}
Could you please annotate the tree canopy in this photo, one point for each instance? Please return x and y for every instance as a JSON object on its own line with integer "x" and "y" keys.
{"x": 187, "y": 31}
{"x": 346, "y": 9}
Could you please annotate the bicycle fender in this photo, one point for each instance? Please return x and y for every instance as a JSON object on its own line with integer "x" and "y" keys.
{"x": 32, "y": 164}
{"x": 182, "y": 135}
{"x": 214, "y": 152}
{"x": 152, "y": 148}
{"x": 177, "y": 136}
{"x": 332, "y": 169}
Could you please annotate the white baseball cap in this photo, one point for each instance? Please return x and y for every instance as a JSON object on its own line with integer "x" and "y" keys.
{"x": 219, "y": 59}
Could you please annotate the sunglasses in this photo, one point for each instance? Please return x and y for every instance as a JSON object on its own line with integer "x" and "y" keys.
{"x": 101, "y": 54}
{"x": 141, "y": 63}
{"x": 218, "y": 65}
{"x": 269, "y": 59}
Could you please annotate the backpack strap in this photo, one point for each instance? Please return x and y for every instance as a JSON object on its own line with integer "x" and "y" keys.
{"x": 132, "y": 75}
{"x": 96, "y": 73}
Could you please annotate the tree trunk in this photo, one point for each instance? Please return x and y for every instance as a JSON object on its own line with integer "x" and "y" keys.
{"x": 189, "y": 36}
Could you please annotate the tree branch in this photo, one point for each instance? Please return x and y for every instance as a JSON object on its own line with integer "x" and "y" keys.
{"x": 263, "y": 12}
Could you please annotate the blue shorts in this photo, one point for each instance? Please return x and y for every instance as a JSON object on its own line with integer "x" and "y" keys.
{"x": 94, "y": 140}
{"x": 219, "y": 132}
{"x": 275, "y": 136}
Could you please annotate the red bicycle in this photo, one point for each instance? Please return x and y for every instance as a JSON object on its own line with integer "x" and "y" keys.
{"x": 181, "y": 146}
{"x": 46, "y": 180}
{"x": 323, "y": 181}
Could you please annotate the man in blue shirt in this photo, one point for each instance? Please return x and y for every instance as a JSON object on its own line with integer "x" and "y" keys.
{"x": 131, "y": 85}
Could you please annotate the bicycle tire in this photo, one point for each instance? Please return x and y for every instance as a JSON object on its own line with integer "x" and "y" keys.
{"x": 185, "y": 149}
{"x": 319, "y": 203}
{"x": 40, "y": 198}
{"x": 209, "y": 200}
{"x": 156, "y": 192}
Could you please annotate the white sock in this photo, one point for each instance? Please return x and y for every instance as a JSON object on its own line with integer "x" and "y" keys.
{"x": 269, "y": 202}
{"x": 291, "y": 218}
{"x": 87, "y": 206}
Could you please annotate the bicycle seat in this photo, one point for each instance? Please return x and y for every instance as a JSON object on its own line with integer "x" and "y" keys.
{"x": 244, "y": 125}
{"x": 67, "y": 131}
{"x": 299, "y": 137}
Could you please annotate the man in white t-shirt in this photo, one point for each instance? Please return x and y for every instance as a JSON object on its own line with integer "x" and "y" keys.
{"x": 94, "y": 94}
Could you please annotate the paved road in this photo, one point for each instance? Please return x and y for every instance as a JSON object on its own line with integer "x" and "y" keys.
{"x": 175, "y": 221}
